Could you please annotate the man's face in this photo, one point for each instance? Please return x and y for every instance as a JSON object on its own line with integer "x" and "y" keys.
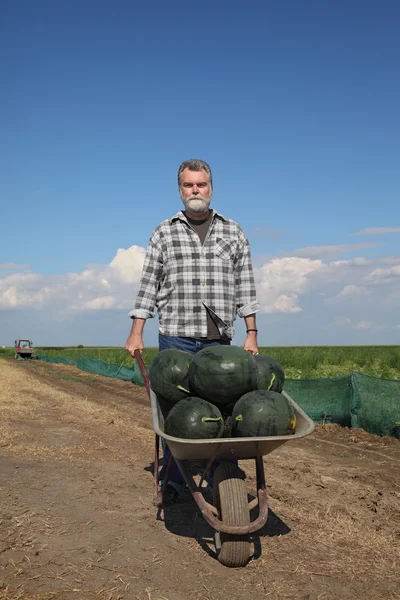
{"x": 195, "y": 191}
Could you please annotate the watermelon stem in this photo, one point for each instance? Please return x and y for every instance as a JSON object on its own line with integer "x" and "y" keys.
{"x": 272, "y": 381}
{"x": 208, "y": 419}
{"x": 183, "y": 389}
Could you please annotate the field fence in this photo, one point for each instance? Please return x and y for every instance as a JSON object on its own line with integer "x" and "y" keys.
{"x": 356, "y": 400}
{"x": 99, "y": 367}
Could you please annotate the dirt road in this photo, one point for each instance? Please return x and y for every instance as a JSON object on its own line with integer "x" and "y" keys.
{"x": 77, "y": 520}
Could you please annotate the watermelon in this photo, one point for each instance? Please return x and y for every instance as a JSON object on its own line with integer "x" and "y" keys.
{"x": 263, "y": 413}
{"x": 222, "y": 374}
{"x": 271, "y": 375}
{"x": 169, "y": 374}
{"x": 194, "y": 418}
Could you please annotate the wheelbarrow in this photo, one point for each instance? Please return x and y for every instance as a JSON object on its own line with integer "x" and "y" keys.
{"x": 229, "y": 514}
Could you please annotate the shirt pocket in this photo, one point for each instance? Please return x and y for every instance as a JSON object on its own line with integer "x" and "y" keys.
{"x": 225, "y": 249}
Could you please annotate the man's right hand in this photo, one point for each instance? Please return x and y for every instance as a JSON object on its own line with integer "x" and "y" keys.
{"x": 134, "y": 342}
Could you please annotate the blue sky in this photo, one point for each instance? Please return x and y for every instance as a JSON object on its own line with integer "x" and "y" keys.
{"x": 294, "y": 105}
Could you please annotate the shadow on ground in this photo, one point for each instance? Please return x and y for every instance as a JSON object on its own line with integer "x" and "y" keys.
{"x": 184, "y": 518}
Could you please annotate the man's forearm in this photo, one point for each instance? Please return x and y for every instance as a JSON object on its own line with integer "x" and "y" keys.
{"x": 250, "y": 321}
{"x": 137, "y": 326}
{"x": 250, "y": 343}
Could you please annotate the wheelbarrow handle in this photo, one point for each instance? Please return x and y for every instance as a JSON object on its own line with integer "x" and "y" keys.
{"x": 143, "y": 370}
{"x": 146, "y": 379}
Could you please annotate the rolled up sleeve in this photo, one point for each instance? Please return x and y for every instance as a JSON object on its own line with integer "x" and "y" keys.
{"x": 245, "y": 288}
{"x": 149, "y": 282}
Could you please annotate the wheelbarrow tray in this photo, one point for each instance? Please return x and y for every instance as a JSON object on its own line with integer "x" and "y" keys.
{"x": 228, "y": 448}
{"x": 183, "y": 451}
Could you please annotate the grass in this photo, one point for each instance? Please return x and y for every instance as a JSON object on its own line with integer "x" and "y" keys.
{"x": 67, "y": 377}
{"x": 5, "y": 352}
{"x": 299, "y": 362}
{"x": 115, "y": 355}
{"x": 331, "y": 361}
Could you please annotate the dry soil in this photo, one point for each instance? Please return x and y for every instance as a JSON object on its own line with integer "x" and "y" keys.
{"x": 77, "y": 519}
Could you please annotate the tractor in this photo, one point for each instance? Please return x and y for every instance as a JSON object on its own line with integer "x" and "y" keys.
{"x": 24, "y": 349}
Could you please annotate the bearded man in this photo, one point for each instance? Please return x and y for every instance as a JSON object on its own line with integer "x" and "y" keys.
{"x": 198, "y": 273}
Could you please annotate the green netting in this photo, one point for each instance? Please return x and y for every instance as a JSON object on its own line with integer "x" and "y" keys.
{"x": 102, "y": 367}
{"x": 359, "y": 400}
{"x": 64, "y": 360}
{"x": 376, "y": 404}
{"x": 99, "y": 367}
{"x": 324, "y": 400}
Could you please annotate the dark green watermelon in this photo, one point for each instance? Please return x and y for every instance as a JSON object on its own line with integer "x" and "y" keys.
{"x": 195, "y": 419}
{"x": 263, "y": 413}
{"x": 271, "y": 375}
{"x": 169, "y": 374}
{"x": 222, "y": 374}
{"x": 165, "y": 405}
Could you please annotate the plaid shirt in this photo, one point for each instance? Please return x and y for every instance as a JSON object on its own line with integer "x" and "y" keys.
{"x": 182, "y": 278}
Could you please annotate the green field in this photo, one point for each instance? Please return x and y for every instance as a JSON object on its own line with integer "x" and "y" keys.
{"x": 299, "y": 362}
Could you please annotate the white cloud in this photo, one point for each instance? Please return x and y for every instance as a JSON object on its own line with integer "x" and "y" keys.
{"x": 281, "y": 280}
{"x": 287, "y": 304}
{"x": 377, "y": 230}
{"x": 100, "y": 287}
{"x": 338, "y": 321}
{"x": 352, "y": 290}
{"x": 101, "y": 303}
{"x": 384, "y": 276}
{"x": 127, "y": 264}
{"x": 329, "y": 251}
{"x": 294, "y": 284}
{"x": 363, "y": 325}
{"x": 21, "y": 290}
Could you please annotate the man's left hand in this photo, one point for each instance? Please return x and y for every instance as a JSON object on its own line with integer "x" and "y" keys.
{"x": 250, "y": 343}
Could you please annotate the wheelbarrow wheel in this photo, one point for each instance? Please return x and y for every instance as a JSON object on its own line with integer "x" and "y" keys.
{"x": 230, "y": 499}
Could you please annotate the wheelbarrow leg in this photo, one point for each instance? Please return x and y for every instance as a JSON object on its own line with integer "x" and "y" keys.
{"x": 159, "y": 494}
{"x": 261, "y": 485}
{"x": 261, "y": 490}
{"x": 157, "y": 501}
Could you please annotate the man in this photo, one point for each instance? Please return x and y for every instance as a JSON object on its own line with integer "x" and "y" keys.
{"x": 198, "y": 273}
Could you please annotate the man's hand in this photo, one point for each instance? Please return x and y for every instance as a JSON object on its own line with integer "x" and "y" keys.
{"x": 134, "y": 342}
{"x": 250, "y": 343}
{"x": 135, "y": 339}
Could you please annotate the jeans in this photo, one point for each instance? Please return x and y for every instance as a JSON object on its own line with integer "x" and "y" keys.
{"x": 191, "y": 345}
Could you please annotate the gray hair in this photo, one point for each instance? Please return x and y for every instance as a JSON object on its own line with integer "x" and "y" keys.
{"x": 195, "y": 164}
